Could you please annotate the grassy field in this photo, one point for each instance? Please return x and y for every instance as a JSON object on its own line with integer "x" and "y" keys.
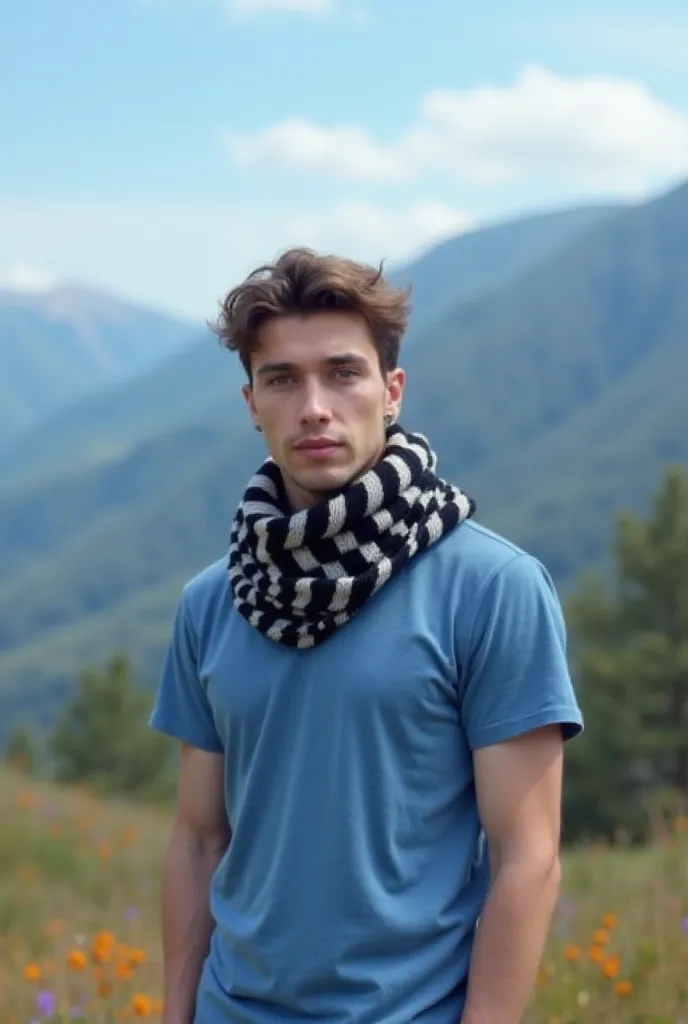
{"x": 79, "y": 913}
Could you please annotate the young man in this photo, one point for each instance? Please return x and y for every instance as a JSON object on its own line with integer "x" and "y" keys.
{"x": 372, "y": 696}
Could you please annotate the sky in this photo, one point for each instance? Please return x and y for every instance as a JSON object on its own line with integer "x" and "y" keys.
{"x": 161, "y": 149}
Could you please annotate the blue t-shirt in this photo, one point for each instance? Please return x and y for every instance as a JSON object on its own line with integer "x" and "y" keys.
{"x": 357, "y": 867}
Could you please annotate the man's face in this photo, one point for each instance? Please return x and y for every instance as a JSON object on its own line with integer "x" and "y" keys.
{"x": 320, "y": 398}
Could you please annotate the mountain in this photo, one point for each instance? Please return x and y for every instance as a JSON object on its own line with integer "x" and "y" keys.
{"x": 201, "y": 382}
{"x": 554, "y": 399}
{"x": 59, "y": 345}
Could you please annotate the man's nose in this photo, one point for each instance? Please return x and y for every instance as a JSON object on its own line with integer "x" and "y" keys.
{"x": 315, "y": 406}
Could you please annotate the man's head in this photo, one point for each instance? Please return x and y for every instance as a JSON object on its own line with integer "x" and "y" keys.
{"x": 319, "y": 339}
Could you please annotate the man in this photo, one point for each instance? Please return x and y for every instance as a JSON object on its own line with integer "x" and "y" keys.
{"x": 372, "y": 696}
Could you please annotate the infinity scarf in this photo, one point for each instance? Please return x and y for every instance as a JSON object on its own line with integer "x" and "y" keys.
{"x": 299, "y": 576}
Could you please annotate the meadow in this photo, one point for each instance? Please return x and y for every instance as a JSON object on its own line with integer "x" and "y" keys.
{"x": 79, "y": 919}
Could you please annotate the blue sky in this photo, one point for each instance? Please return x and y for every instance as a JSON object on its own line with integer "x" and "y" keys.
{"x": 161, "y": 148}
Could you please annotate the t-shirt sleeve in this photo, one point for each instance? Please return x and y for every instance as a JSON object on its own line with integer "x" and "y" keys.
{"x": 181, "y": 707}
{"x": 515, "y": 674}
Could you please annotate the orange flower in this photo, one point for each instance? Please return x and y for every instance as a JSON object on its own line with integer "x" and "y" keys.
{"x": 623, "y": 988}
{"x": 104, "y": 849}
{"x": 123, "y": 970}
{"x": 104, "y": 988}
{"x": 76, "y": 960}
{"x": 572, "y": 953}
{"x": 611, "y": 966}
{"x": 601, "y": 937}
{"x": 128, "y": 836}
{"x": 102, "y": 947}
{"x": 141, "y": 1005}
{"x": 137, "y": 956}
{"x": 32, "y": 972}
{"x": 610, "y": 921}
{"x": 596, "y": 954}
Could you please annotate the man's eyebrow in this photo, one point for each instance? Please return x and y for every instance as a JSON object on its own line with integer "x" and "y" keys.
{"x": 274, "y": 368}
{"x": 341, "y": 359}
{"x": 345, "y": 357}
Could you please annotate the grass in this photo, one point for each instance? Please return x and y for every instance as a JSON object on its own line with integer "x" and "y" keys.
{"x": 79, "y": 919}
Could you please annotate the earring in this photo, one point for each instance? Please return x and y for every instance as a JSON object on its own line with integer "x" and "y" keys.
{"x": 389, "y": 419}
{"x": 258, "y": 428}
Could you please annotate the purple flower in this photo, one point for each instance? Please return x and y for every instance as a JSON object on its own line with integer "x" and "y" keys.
{"x": 131, "y": 913}
{"x": 46, "y": 1003}
{"x": 685, "y": 924}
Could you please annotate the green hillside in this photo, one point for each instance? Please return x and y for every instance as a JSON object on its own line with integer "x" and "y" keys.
{"x": 553, "y": 400}
{"x": 201, "y": 383}
{"x": 60, "y": 345}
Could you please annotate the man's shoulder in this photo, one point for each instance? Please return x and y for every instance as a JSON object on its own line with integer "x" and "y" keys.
{"x": 207, "y": 589}
{"x": 477, "y": 554}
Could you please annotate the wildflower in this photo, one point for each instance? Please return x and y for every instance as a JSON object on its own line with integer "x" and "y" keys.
{"x": 76, "y": 960}
{"x": 104, "y": 988}
{"x": 102, "y": 947}
{"x": 623, "y": 988}
{"x": 685, "y": 924}
{"x": 610, "y": 921}
{"x": 128, "y": 836}
{"x": 32, "y": 972}
{"x": 131, "y": 913}
{"x": 572, "y": 953}
{"x": 137, "y": 956}
{"x": 601, "y": 937}
{"x": 46, "y": 1003}
{"x": 596, "y": 954}
{"x": 611, "y": 966}
{"x": 123, "y": 970}
{"x": 141, "y": 1005}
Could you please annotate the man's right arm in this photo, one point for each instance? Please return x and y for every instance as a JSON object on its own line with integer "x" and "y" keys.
{"x": 199, "y": 837}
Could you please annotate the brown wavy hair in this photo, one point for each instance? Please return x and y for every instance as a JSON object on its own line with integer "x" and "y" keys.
{"x": 302, "y": 282}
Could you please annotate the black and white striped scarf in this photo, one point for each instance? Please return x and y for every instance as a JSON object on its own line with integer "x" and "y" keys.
{"x": 298, "y": 576}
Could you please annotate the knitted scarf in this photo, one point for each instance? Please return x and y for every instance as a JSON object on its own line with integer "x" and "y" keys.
{"x": 298, "y": 576}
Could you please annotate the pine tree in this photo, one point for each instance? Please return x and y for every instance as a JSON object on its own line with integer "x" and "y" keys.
{"x": 103, "y": 739}
{"x": 630, "y": 646}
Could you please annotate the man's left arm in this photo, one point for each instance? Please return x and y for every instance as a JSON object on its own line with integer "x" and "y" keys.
{"x": 518, "y": 709}
{"x": 518, "y": 786}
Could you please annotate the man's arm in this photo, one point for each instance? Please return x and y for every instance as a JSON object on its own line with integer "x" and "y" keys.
{"x": 200, "y": 835}
{"x": 518, "y": 787}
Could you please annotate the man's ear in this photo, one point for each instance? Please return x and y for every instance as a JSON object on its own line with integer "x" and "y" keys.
{"x": 247, "y": 392}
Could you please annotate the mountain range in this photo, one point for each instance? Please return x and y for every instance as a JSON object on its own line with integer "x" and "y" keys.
{"x": 547, "y": 362}
{"x": 59, "y": 345}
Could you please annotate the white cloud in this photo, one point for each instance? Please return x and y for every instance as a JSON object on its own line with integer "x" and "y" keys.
{"x": 184, "y": 256}
{"x": 594, "y": 132}
{"x": 346, "y": 153}
{"x": 24, "y": 277}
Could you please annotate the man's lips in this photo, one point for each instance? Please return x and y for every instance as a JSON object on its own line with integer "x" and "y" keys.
{"x": 316, "y": 444}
